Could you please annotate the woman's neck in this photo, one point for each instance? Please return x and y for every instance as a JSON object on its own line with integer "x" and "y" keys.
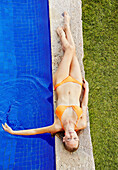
{"x": 68, "y": 125}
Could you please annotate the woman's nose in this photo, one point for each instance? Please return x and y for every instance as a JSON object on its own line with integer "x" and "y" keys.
{"x": 71, "y": 135}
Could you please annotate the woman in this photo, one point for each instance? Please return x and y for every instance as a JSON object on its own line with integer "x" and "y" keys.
{"x": 68, "y": 85}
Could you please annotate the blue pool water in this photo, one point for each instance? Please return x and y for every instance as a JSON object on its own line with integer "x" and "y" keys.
{"x": 26, "y": 97}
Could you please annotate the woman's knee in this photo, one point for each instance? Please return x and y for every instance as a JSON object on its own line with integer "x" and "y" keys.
{"x": 70, "y": 48}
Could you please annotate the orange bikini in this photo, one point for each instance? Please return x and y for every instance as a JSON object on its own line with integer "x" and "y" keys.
{"x": 68, "y": 79}
{"x": 61, "y": 108}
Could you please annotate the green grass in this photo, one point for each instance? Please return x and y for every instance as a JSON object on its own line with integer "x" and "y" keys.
{"x": 100, "y": 62}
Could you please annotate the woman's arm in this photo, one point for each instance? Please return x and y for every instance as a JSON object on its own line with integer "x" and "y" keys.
{"x": 85, "y": 97}
{"x": 48, "y": 129}
{"x": 83, "y": 120}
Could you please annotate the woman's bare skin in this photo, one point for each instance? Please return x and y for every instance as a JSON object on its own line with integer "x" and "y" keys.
{"x": 67, "y": 94}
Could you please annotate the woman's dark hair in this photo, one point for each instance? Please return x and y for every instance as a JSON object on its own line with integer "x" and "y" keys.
{"x": 71, "y": 149}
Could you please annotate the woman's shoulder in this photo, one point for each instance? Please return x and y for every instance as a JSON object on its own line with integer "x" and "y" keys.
{"x": 57, "y": 125}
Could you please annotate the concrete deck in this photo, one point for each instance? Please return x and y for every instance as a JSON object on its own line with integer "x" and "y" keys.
{"x": 82, "y": 159}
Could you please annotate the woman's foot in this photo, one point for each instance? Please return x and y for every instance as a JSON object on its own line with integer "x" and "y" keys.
{"x": 61, "y": 33}
{"x": 66, "y": 19}
{"x": 67, "y": 30}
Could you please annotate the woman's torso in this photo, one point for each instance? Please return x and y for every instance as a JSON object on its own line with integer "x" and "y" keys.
{"x": 68, "y": 94}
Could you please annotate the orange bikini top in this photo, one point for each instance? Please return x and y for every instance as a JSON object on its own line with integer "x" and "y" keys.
{"x": 68, "y": 79}
{"x": 61, "y": 108}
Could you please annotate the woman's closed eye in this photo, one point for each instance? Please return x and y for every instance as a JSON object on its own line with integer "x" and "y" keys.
{"x": 75, "y": 138}
{"x": 68, "y": 139}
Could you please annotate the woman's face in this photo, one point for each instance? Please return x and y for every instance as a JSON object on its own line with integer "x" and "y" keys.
{"x": 71, "y": 139}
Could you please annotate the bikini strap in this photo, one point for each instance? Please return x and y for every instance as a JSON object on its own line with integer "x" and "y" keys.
{"x": 62, "y": 125}
{"x": 76, "y": 123}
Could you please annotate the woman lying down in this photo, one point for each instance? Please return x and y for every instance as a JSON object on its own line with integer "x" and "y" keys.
{"x": 68, "y": 84}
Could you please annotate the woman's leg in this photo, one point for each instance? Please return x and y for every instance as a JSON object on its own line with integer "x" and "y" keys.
{"x": 75, "y": 71}
{"x": 64, "y": 67}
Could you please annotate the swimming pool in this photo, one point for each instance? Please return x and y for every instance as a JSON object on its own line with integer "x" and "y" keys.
{"x": 26, "y": 93}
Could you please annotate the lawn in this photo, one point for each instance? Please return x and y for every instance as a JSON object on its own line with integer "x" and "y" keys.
{"x": 100, "y": 61}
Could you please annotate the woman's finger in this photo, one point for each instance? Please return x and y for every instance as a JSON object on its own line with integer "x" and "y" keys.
{"x": 3, "y": 127}
{"x": 6, "y": 125}
{"x": 83, "y": 80}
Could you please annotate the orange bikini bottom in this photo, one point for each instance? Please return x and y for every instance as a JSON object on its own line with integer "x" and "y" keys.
{"x": 68, "y": 79}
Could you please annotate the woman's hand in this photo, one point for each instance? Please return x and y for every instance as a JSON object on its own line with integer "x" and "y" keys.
{"x": 85, "y": 85}
{"x": 7, "y": 128}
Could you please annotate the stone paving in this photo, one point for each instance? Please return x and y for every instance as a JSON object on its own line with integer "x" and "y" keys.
{"x": 82, "y": 159}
